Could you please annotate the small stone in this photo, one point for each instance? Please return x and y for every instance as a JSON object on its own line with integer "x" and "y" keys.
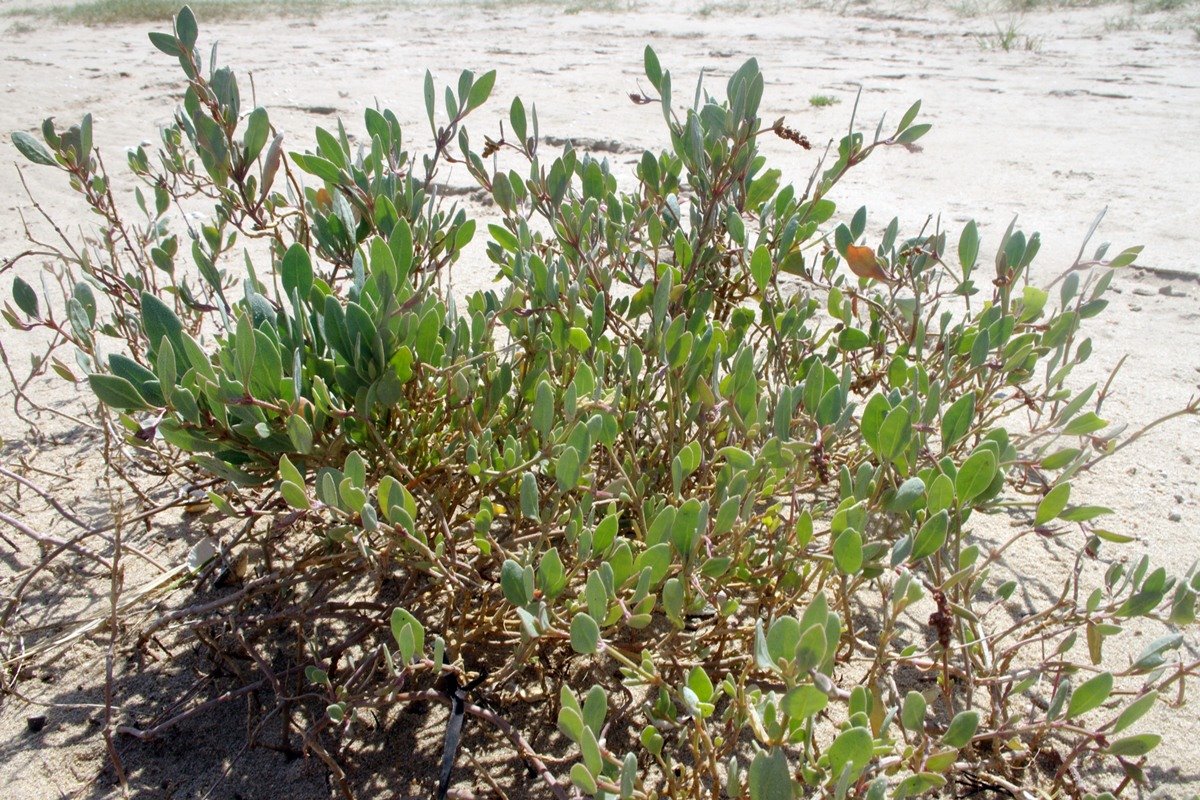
{"x": 1175, "y": 516}
{"x": 1143, "y": 291}
{"x": 36, "y": 723}
{"x": 1135, "y": 308}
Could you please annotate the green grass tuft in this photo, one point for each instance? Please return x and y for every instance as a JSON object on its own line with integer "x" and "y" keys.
{"x": 1009, "y": 39}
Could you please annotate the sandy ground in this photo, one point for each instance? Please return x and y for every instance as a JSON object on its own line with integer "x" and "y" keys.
{"x": 1101, "y": 110}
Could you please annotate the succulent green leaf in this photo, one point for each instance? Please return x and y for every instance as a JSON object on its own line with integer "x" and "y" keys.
{"x": 570, "y": 722}
{"x": 968, "y": 248}
{"x": 699, "y": 682}
{"x": 629, "y": 771}
{"x": 760, "y": 268}
{"x": 414, "y": 644}
{"x": 931, "y": 536}
{"x": 296, "y": 272}
{"x": 783, "y": 637}
{"x": 166, "y": 43}
{"x": 585, "y": 634}
{"x": 481, "y": 89}
{"x": 1053, "y": 503}
{"x": 186, "y": 28}
{"x": 873, "y": 415}
{"x": 25, "y": 298}
{"x": 567, "y": 469}
{"x": 530, "y": 499}
{"x": 595, "y": 708}
{"x": 543, "y": 409}
{"x": 917, "y": 785}
{"x": 804, "y": 701}
{"x": 294, "y": 495}
{"x": 552, "y": 577}
{"x": 657, "y": 559}
{"x": 961, "y": 729}
{"x": 848, "y": 551}
{"x": 32, "y": 149}
{"x": 1085, "y": 424}
{"x": 1134, "y": 746}
{"x": 907, "y": 495}
{"x": 852, "y": 748}
{"x": 975, "y": 475}
{"x": 810, "y": 652}
{"x": 652, "y": 67}
{"x": 957, "y": 420}
{"x": 770, "y": 776}
{"x": 1090, "y": 694}
{"x": 912, "y": 714}
{"x": 116, "y": 392}
{"x": 909, "y": 115}
{"x": 581, "y": 777}
{"x": 1135, "y": 711}
{"x": 512, "y": 582}
{"x": 895, "y": 433}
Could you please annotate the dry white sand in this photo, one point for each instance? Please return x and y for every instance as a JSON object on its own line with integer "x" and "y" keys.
{"x": 1095, "y": 114}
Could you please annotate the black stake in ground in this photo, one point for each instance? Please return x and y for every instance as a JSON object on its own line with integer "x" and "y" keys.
{"x": 448, "y": 685}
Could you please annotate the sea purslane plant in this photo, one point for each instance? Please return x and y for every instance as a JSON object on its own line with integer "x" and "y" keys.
{"x": 720, "y": 498}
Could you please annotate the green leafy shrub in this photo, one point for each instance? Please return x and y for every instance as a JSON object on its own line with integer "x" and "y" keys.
{"x": 678, "y": 451}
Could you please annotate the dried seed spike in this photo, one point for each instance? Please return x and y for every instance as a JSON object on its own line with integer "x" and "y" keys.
{"x": 790, "y": 134}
